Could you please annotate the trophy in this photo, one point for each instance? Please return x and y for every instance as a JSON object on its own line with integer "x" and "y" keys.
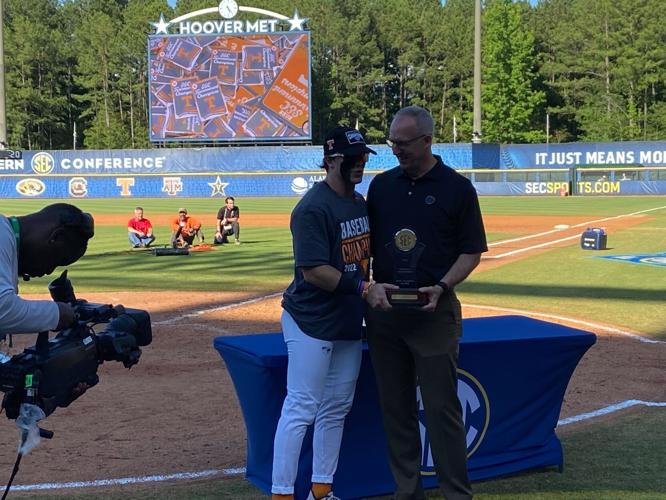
{"x": 406, "y": 251}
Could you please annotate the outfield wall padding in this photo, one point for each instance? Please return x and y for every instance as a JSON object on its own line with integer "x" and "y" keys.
{"x": 292, "y": 170}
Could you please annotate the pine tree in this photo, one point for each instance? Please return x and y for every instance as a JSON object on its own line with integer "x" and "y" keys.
{"x": 509, "y": 78}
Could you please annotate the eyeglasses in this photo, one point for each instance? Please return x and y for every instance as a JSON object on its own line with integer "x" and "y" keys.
{"x": 403, "y": 144}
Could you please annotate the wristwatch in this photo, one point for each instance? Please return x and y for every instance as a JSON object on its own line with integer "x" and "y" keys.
{"x": 445, "y": 287}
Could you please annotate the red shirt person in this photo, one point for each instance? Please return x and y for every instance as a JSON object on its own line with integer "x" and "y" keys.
{"x": 139, "y": 230}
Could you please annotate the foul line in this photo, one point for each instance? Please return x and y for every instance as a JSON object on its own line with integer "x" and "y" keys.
{"x": 527, "y": 249}
{"x": 588, "y": 324}
{"x": 225, "y": 307}
{"x": 609, "y": 409}
{"x": 125, "y": 480}
{"x": 580, "y": 224}
{"x": 241, "y": 470}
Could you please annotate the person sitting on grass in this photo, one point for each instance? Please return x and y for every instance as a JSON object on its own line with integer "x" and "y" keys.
{"x": 184, "y": 229}
{"x": 140, "y": 230}
{"x": 227, "y": 222}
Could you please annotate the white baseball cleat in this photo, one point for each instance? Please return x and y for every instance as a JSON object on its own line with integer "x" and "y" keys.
{"x": 329, "y": 496}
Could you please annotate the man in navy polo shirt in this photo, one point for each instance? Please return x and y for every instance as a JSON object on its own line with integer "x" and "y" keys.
{"x": 439, "y": 226}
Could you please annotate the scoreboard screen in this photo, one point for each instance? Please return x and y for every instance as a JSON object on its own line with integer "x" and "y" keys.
{"x": 230, "y": 88}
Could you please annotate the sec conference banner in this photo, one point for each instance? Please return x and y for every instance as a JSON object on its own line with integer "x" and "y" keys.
{"x": 217, "y": 160}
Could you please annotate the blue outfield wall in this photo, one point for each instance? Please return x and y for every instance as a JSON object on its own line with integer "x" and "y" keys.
{"x": 581, "y": 154}
{"x": 290, "y": 170}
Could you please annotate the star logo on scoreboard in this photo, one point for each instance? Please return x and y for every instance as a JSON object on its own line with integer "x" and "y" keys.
{"x": 217, "y": 187}
{"x": 161, "y": 26}
{"x": 296, "y": 22}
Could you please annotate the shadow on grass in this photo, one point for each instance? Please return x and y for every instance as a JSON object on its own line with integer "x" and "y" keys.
{"x": 225, "y": 269}
{"x": 560, "y": 291}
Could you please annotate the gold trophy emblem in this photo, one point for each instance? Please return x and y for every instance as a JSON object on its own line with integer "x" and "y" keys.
{"x": 406, "y": 251}
{"x": 405, "y": 240}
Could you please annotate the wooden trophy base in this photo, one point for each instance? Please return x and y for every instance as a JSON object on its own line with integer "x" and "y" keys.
{"x": 406, "y": 297}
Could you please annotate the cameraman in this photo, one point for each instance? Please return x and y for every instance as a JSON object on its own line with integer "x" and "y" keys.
{"x": 34, "y": 245}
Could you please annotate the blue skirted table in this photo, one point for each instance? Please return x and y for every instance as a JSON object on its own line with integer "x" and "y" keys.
{"x": 513, "y": 372}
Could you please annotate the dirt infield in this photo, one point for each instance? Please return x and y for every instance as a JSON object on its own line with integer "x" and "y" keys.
{"x": 176, "y": 411}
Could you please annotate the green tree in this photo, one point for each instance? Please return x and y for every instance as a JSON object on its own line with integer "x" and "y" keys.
{"x": 132, "y": 83}
{"x": 35, "y": 75}
{"x": 510, "y": 101}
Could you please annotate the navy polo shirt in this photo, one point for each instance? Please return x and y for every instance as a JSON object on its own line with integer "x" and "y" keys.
{"x": 441, "y": 207}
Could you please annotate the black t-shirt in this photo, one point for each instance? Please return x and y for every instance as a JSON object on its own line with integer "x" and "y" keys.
{"x": 441, "y": 207}
{"x": 225, "y": 213}
{"x": 328, "y": 229}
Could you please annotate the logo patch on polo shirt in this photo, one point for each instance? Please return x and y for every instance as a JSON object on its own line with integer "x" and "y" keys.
{"x": 430, "y": 199}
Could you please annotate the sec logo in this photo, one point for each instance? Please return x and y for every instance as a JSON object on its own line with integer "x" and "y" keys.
{"x": 30, "y": 187}
{"x": 476, "y": 417}
{"x": 42, "y": 163}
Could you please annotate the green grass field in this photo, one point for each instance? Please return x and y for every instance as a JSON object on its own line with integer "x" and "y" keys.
{"x": 566, "y": 281}
{"x": 561, "y": 281}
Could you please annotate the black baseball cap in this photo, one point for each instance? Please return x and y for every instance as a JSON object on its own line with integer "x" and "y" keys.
{"x": 345, "y": 141}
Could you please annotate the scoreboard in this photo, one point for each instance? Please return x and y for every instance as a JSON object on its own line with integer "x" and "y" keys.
{"x": 230, "y": 87}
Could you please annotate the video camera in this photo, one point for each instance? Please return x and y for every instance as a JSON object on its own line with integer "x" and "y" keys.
{"x": 47, "y": 373}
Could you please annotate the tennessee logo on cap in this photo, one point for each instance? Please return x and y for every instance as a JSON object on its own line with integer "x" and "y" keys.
{"x": 330, "y": 143}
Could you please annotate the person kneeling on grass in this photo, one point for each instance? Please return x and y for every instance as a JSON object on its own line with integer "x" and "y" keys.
{"x": 140, "y": 230}
{"x": 227, "y": 222}
{"x": 184, "y": 229}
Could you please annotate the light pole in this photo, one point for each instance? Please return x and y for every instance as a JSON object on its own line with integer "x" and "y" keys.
{"x": 3, "y": 114}
{"x": 476, "y": 128}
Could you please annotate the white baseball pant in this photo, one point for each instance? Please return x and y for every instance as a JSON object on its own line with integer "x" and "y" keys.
{"x": 321, "y": 380}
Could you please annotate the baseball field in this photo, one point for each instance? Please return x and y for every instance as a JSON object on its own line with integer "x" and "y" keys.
{"x": 171, "y": 427}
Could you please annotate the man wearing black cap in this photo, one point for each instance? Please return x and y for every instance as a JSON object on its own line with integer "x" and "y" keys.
{"x": 323, "y": 314}
{"x": 34, "y": 245}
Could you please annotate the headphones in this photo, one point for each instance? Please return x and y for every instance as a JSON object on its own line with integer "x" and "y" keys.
{"x": 16, "y": 227}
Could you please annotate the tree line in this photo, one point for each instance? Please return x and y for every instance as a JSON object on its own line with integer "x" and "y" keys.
{"x": 563, "y": 70}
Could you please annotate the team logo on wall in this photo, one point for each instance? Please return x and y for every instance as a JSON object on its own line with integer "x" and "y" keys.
{"x": 125, "y": 183}
{"x": 30, "y": 187}
{"x": 476, "y": 416}
{"x": 172, "y": 185}
{"x": 78, "y": 187}
{"x": 299, "y": 185}
{"x": 42, "y": 163}
{"x": 217, "y": 187}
